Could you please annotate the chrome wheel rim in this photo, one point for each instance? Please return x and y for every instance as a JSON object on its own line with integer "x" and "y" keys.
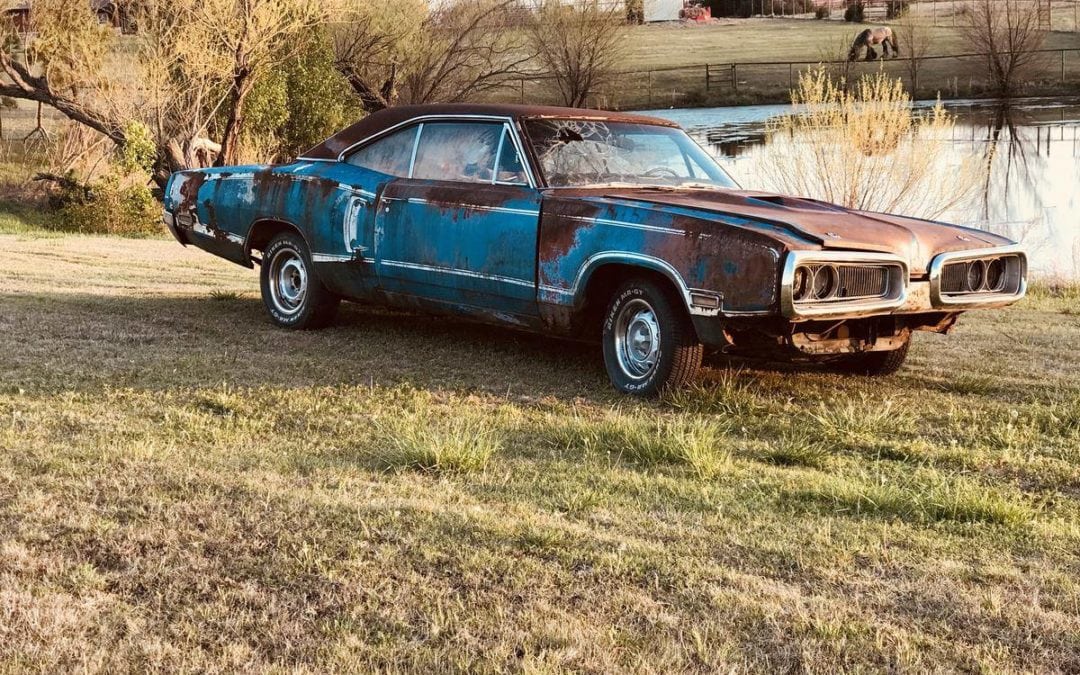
{"x": 637, "y": 339}
{"x": 288, "y": 281}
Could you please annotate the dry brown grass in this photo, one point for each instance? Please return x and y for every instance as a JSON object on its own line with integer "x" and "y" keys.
{"x": 184, "y": 487}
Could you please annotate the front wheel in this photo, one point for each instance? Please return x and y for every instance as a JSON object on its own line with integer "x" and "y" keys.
{"x": 649, "y": 343}
{"x": 294, "y": 297}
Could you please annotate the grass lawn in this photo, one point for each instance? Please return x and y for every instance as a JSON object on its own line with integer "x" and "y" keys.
{"x": 185, "y": 487}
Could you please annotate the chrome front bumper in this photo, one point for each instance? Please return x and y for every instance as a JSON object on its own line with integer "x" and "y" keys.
{"x": 912, "y": 297}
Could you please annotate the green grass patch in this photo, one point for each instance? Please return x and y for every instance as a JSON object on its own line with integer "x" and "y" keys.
{"x": 700, "y": 444}
{"x": 427, "y": 441}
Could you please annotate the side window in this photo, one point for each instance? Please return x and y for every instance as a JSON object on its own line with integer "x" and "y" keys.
{"x": 390, "y": 154}
{"x": 457, "y": 151}
{"x": 510, "y": 170}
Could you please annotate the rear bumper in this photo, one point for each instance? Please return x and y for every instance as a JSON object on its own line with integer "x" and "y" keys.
{"x": 170, "y": 222}
{"x": 219, "y": 242}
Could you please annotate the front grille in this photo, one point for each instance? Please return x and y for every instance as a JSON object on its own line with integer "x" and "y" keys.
{"x": 862, "y": 282}
{"x": 841, "y": 283}
{"x": 980, "y": 276}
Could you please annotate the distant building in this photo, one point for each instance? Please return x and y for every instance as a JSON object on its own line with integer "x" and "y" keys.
{"x": 110, "y": 13}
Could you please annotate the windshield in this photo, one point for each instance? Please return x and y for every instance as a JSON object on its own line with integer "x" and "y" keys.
{"x": 584, "y": 153}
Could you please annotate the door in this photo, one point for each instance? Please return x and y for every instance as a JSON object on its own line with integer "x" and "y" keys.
{"x": 462, "y": 228}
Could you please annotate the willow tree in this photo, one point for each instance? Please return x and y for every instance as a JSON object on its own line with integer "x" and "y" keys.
{"x": 196, "y": 63}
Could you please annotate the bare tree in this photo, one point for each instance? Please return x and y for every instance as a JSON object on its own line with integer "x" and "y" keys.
{"x": 456, "y": 52}
{"x": 370, "y": 43}
{"x": 915, "y": 40}
{"x": 1008, "y": 31}
{"x": 579, "y": 46}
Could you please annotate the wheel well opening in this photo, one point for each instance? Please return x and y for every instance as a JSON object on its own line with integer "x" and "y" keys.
{"x": 263, "y": 232}
{"x": 602, "y": 285}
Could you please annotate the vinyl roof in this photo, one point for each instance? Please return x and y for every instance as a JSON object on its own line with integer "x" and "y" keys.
{"x": 384, "y": 119}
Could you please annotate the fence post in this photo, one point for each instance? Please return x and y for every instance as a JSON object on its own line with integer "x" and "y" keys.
{"x": 707, "y": 78}
{"x": 735, "y": 77}
{"x": 1062, "y": 65}
{"x": 790, "y": 77}
{"x": 650, "y": 87}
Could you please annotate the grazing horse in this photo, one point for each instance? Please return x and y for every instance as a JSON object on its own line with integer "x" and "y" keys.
{"x": 883, "y": 36}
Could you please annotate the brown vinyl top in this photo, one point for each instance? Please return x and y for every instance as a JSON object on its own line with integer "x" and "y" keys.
{"x": 384, "y": 119}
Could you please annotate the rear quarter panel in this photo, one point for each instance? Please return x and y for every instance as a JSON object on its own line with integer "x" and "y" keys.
{"x": 312, "y": 196}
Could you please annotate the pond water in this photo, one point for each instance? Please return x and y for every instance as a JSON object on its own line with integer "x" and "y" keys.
{"x": 1032, "y": 194}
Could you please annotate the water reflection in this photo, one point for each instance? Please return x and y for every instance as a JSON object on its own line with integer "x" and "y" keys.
{"x": 1031, "y": 149}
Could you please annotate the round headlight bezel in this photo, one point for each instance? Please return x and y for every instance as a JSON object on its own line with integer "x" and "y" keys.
{"x": 825, "y": 283}
{"x": 995, "y": 275}
{"x": 801, "y": 283}
{"x": 975, "y": 276}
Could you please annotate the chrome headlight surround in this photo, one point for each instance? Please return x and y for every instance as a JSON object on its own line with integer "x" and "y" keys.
{"x": 960, "y": 300}
{"x": 895, "y": 294}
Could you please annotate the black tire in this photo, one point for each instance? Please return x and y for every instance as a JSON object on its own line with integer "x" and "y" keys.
{"x": 874, "y": 364}
{"x": 651, "y": 366}
{"x": 291, "y": 292}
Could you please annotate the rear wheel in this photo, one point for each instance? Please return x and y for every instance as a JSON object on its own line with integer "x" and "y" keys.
{"x": 294, "y": 297}
{"x": 649, "y": 343}
{"x": 873, "y": 363}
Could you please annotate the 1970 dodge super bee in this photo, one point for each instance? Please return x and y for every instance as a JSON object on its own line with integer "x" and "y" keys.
{"x": 591, "y": 225}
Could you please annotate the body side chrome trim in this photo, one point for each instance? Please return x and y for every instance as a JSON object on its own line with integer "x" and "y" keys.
{"x": 458, "y": 272}
{"x": 471, "y": 207}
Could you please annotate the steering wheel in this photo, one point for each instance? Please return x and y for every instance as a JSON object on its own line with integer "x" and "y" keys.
{"x": 660, "y": 172}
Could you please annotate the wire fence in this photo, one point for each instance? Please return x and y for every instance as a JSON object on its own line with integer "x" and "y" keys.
{"x": 951, "y": 76}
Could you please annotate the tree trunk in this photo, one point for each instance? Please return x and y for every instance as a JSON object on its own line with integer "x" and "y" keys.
{"x": 230, "y": 143}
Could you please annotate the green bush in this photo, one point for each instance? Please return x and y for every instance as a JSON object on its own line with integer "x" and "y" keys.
{"x": 822, "y": 12}
{"x": 116, "y": 204}
{"x": 297, "y": 105}
{"x": 855, "y": 12}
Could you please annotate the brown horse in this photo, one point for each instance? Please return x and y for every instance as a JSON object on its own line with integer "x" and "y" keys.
{"x": 883, "y": 36}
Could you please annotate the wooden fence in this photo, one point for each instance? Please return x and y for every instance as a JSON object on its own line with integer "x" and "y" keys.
{"x": 952, "y": 75}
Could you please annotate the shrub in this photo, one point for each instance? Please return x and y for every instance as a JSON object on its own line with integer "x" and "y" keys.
{"x": 822, "y": 12}
{"x": 855, "y": 12}
{"x": 896, "y": 8}
{"x": 864, "y": 147}
{"x": 113, "y": 205}
{"x": 8, "y": 102}
{"x": 297, "y": 105}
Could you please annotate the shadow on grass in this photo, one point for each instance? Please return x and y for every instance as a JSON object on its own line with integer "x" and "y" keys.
{"x": 58, "y": 341}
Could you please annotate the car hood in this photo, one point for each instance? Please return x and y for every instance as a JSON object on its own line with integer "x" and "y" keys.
{"x": 811, "y": 223}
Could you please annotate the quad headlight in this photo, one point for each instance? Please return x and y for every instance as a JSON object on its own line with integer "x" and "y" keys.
{"x": 818, "y": 283}
{"x": 978, "y": 278}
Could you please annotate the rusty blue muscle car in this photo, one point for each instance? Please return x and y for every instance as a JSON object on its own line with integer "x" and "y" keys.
{"x": 587, "y": 224}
